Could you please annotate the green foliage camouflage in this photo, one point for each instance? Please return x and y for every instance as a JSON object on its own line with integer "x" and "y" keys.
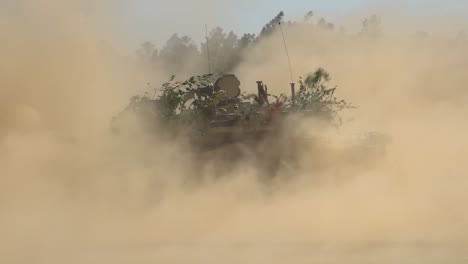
{"x": 186, "y": 103}
{"x": 315, "y": 95}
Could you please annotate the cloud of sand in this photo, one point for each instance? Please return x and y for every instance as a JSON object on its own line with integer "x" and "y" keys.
{"x": 69, "y": 191}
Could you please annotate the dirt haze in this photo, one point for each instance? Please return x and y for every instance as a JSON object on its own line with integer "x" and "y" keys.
{"x": 71, "y": 192}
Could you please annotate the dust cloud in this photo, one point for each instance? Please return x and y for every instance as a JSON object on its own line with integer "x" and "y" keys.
{"x": 72, "y": 192}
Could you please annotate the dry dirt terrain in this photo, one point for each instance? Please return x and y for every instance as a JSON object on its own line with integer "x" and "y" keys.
{"x": 72, "y": 192}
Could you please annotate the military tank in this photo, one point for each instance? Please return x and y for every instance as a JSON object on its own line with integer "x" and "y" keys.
{"x": 228, "y": 126}
{"x": 226, "y": 116}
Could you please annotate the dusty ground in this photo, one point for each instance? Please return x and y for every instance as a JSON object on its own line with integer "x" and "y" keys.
{"x": 72, "y": 193}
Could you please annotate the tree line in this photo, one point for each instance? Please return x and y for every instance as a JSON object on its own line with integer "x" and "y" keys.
{"x": 225, "y": 49}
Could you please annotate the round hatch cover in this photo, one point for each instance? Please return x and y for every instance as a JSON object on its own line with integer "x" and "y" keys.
{"x": 229, "y": 84}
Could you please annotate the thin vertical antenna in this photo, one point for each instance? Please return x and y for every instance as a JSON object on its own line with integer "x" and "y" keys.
{"x": 287, "y": 53}
{"x": 208, "y": 49}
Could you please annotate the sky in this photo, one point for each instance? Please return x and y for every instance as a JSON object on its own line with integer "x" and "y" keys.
{"x": 155, "y": 20}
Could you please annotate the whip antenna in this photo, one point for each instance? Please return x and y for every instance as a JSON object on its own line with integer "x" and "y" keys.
{"x": 208, "y": 49}
{"x": 287, "y": 53}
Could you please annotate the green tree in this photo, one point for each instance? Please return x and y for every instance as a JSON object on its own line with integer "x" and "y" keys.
{"x": 270, "y": 27}
{"x": 224, "y": 50}
{"x": 177, "y": 52}
{"x": 308, "y": 16}
{"x": 315, "y": 96}
{"x": 246, "y": 41}
{"x": 147, "y": 52}
{"x": 371, "y": 27}
{"x": 323, "y": 24}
